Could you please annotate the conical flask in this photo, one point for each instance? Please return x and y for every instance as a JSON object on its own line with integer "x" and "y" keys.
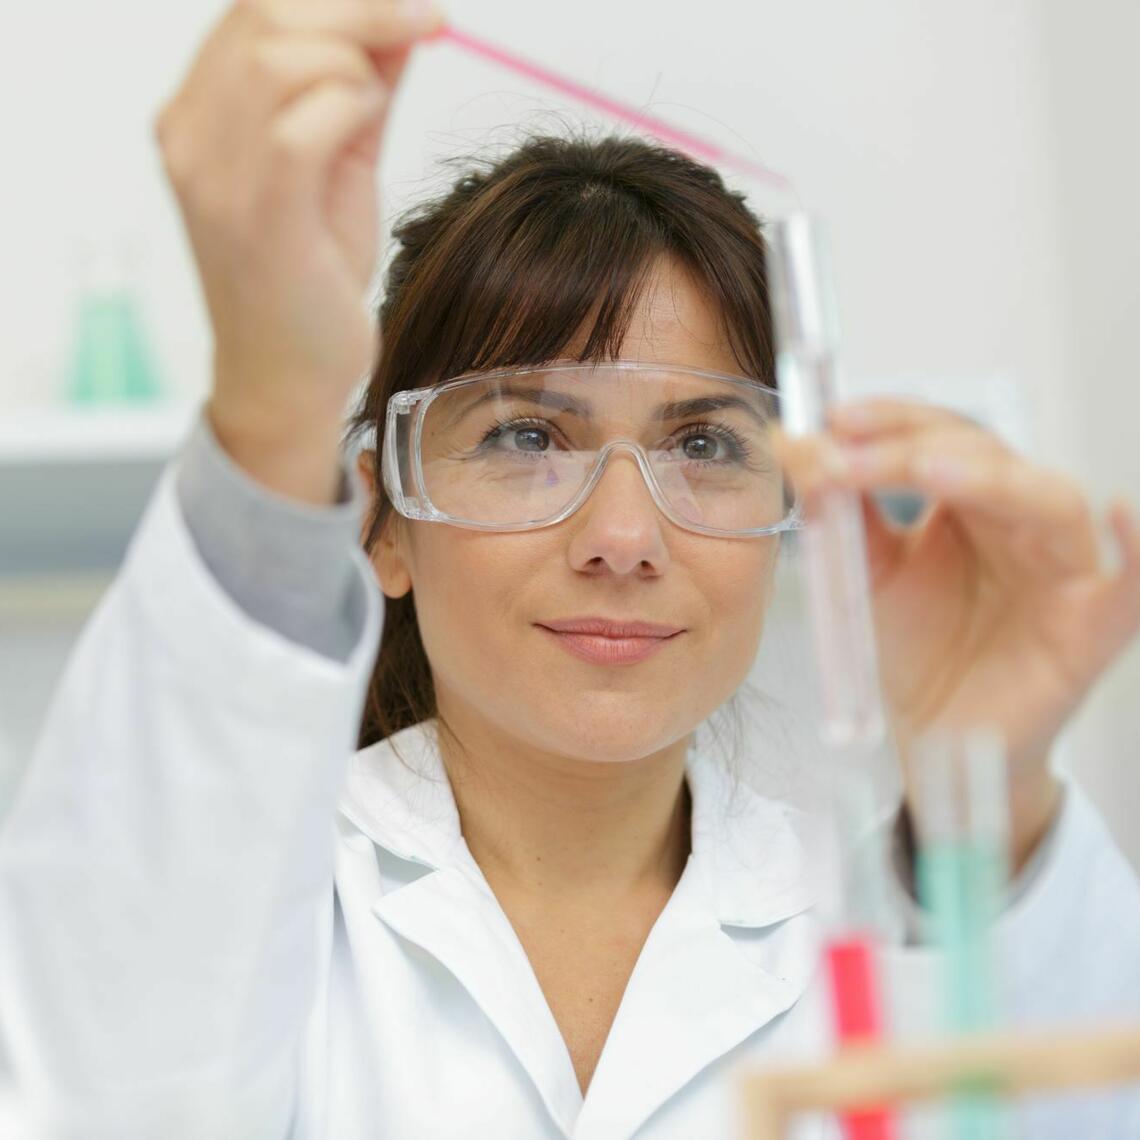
{"x": 112, "y": 361}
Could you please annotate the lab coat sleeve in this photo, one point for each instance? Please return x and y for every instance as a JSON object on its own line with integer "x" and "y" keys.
{"x": 167, "y": 865}
{"x": 1070, "y": 941}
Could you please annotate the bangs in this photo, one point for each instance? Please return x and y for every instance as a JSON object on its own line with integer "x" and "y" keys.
{"x": 524, "y": 284}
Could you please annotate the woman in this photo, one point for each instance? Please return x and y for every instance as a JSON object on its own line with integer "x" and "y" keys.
{"x": 548, "y": 908}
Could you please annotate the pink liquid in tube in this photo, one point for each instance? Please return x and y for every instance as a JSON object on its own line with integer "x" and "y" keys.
{"x": 857, "y": 1019}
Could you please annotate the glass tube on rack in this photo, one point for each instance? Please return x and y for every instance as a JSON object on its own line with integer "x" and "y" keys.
{"x": 962, "y": 826}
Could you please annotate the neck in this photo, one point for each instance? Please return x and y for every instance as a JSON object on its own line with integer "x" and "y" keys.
{"x": 546, "y": 822}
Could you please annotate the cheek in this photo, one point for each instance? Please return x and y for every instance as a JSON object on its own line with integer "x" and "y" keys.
{"x": 463, "y": 585}
{"x": 740, "y": 589}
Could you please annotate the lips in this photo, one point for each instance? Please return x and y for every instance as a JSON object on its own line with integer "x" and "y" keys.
{"x": 601, "y": 641}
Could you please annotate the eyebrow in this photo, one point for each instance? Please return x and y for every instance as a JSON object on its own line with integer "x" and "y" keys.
{"x": 680, "y": 409}
{"x": 543, "y": 397}
{"x": 561, "y": 401}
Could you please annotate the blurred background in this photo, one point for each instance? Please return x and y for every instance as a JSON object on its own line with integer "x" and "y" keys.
{"x": 971, "y": 160}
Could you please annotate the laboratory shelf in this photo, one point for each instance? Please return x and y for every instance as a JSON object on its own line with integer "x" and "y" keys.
{"x": 72, "y": 435}
{"x": 74, "y": 481}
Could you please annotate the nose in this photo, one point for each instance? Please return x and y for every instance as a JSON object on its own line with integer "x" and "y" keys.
{"x": 619, "y": 527}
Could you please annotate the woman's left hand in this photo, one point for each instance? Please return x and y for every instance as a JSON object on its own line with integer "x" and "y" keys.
{"x": 994, "y": 609}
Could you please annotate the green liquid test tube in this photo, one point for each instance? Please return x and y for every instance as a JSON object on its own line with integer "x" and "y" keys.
{"x": 962, "y": 874}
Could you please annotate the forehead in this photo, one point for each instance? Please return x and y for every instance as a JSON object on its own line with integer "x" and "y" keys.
{"x": 673, "y": 323}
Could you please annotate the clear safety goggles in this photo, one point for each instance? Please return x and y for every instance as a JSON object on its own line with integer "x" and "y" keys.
{"x": 521, "y": 448}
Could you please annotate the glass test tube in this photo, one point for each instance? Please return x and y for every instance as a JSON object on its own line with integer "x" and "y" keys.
{"x": 839, "y": 600}
{"x": 863, "y": 778}
{"x": 834, "y": 546}
{"x": 962, "y": 825}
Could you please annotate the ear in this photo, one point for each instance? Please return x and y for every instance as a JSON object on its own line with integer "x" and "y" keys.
{"x": 388, "y": 556}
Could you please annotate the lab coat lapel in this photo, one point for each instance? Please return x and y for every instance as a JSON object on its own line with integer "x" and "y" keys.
{"x": 404, "y": 803}
{"x": 729, "y": 954}
{"x": 449, "y": 917}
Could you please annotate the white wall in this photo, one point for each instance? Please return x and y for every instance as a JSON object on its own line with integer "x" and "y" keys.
{"x": 969, "y": 158}
{"x": 1093, "y": 91}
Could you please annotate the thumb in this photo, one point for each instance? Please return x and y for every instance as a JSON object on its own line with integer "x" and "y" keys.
{"x": 1121, "y": 595}
{"x": 885, "y": 544}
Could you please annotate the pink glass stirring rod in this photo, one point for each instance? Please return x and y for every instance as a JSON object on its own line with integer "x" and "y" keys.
{"x": 648, "y": 123}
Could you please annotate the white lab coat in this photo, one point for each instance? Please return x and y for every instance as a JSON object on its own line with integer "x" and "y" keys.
{"x": 176, "y": 961}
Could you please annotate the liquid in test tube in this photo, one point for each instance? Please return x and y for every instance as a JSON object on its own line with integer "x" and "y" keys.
{"x": 962, "y": 824}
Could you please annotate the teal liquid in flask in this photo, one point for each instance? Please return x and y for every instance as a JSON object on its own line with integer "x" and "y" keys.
{"x": 112, "y": 361}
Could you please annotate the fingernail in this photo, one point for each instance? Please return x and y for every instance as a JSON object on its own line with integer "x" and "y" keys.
{"x": 833, "y": 461}
{"x": 943, "y": 471}
{"x": 1060, "y": 550}
{"x": 855, "y": 417}
{"x": 421, "y": 11}
{"x": 863, "y": 460}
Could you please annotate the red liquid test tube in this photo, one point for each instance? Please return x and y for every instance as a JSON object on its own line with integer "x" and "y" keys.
{"x": 858, "y": 1020}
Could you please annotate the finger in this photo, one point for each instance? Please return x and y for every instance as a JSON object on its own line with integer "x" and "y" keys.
{"x": 886, "y": 544}
{"x": 1113, "y": 615}
{"x": 391, "y": 65}
{"x": 809, "y": 461}
{"x": 821, "y": 460}
{"x": 1126, "y": 531}
{"x": 282, "y": 68}
{"x": 304, "y": 138}
{"x": 987, "y": 480}
{"x": 218, "y": 120}
{"x": 885, "y": 416}
{"x": 816, "y": 458}
{"x": 928, "y": 460}
{"x": 378, "y": 25}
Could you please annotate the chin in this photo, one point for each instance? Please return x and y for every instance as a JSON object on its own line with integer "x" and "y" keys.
{"x": 616, "y": 729}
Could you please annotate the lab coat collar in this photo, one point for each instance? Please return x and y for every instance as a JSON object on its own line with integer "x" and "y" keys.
{"x": 398, "y": 794}
{"x": 750, "y": 846}
{"x": 700, "y": 987}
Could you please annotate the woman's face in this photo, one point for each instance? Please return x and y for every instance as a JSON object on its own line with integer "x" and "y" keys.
{"x": 483, "y": 599}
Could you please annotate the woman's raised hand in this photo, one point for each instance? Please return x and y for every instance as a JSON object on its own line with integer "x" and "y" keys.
{"x": 271, "y": 145}
{"x": 996, "y": 608}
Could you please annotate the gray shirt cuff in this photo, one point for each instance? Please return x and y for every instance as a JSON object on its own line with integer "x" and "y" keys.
{"x": 287, "y": 564}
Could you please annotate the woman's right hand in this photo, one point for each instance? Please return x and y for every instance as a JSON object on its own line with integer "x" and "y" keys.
{"x": 271, "y": 145}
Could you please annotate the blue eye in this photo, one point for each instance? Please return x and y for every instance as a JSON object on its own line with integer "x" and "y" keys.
{"x": 532, "y": 439}
{"x": 711, "y": 445}
{"x": 516, "y": 436}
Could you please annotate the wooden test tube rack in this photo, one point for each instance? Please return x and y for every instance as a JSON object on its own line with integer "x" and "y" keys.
{"x": 1001, "y": 1064}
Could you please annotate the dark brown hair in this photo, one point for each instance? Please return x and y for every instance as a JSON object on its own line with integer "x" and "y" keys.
{"x": 505, "y": 268}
